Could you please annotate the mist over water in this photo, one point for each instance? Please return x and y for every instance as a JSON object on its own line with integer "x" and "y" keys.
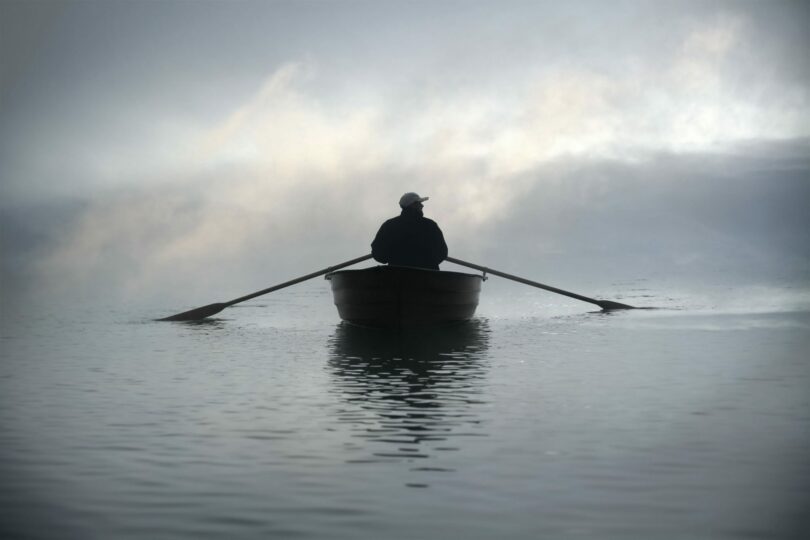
{"x": 737, "y": 219}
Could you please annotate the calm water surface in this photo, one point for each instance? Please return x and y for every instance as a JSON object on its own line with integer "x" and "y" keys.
{"x": 532, "y": 421}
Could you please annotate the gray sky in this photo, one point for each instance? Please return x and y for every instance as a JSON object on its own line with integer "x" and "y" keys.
{"x": 179, "y": 146}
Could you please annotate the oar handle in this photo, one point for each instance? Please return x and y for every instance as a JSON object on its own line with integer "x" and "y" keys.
{"x": 297, "y": 280}
{"x": 604, "y": 304}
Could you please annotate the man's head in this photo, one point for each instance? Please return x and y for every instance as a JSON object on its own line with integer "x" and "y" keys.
{"x": 411, "y": 199}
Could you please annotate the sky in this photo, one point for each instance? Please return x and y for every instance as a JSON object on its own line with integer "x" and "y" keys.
{"x": 171, "y": 149}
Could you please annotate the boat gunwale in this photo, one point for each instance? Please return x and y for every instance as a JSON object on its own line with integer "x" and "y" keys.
{"x": 383, "y": 267}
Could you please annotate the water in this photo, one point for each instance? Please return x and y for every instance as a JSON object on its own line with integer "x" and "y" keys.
{"x": 536, "y": 420}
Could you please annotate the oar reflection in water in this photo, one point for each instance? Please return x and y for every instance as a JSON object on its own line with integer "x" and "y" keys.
{"x": 415, "y": 389}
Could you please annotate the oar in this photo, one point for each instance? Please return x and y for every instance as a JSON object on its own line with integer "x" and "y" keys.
{"x": 607, "y": 305}
{"x": 212, "y": 309}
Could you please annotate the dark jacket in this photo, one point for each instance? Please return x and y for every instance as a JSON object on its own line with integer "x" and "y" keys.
{"x": 410, "y": 240}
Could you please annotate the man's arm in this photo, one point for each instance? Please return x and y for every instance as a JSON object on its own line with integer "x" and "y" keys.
{"x": 440, "y": 246}
{"x": 379, "y": 247}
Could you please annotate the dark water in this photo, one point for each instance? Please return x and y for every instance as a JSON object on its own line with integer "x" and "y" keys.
{"x": 532, "y": 421}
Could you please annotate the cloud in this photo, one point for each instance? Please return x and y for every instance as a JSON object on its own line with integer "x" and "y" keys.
{"x": 504, "y": 89}
{"x": 571, "y": 160}
{"x": 290, "y": 136}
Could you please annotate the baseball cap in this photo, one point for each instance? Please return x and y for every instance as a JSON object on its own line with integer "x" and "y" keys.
{"x": 410, "y": 198}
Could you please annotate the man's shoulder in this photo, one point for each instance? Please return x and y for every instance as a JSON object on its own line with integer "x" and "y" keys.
{"x": 407, "y": 221}
{"x": 391, "y": 224}
{"x": 430, "y": 223}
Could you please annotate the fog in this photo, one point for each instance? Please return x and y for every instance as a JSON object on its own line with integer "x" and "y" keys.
{"x": 179, "y": 150}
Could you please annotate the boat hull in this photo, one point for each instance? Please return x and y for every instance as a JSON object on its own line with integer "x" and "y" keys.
{"x": 391, "y": 296}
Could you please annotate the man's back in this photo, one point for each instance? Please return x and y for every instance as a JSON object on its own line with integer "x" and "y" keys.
{"x": 410, "y": 239}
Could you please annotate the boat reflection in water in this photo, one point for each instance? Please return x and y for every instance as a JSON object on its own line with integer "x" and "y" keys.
{"x": 419, "y": 390}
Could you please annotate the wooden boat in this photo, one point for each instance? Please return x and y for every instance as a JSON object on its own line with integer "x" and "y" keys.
{"x": 398, "y": 296}
{"x": 395, "y": 296}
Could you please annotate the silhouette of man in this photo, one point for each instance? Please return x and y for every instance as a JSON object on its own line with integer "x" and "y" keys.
{"x": 410, "y": 239}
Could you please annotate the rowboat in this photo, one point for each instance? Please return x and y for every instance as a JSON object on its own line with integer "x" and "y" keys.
{"x": 400, "y": 296}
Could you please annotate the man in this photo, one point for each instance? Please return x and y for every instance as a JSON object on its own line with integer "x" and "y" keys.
{"x": 410, "y": 239}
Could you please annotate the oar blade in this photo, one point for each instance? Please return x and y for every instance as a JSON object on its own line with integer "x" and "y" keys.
{"x": 607, "y": 305}
{"x": 197, "y": 314}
